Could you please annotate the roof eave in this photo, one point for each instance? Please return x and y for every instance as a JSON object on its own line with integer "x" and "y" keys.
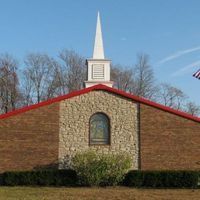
{"x": 105, "y": 88}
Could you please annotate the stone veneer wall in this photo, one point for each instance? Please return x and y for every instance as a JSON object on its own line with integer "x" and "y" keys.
{"x": 74, "y": 125}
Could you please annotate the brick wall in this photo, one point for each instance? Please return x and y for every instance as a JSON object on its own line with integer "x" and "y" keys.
{"x": 38, "y": 137}
{"x": 29, "y": 140}
{"x": 168, "y": 141}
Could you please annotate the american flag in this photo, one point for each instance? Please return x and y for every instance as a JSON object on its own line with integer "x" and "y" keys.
{"x": 197, "y": 74}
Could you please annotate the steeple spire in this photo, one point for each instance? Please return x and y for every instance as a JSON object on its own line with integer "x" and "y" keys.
{"x": 98, "y": 52}
{"x": 98, "y": 68}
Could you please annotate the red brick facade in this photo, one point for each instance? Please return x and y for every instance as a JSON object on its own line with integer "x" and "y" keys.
{"x": 168, "y": 141}
{"x": 29, "y": 140}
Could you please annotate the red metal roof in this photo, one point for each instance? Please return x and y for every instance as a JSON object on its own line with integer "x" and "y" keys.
{"x": 105, "y": 88}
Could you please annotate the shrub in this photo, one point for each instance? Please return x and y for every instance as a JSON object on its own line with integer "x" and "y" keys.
{"x": 99, "y": 169}
{"x": 162, "y": 179}
{"x": 42, "y": 178}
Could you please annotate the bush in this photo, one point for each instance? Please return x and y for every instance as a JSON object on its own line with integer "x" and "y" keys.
{"x": 41, "y": 178}
{"x": 99, "y": 169}
{"x": 162, "y": 179}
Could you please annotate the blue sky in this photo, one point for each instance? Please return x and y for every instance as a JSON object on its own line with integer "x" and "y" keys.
{"x": 169, "y": 31}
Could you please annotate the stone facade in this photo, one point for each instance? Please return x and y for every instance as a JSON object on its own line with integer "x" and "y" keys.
{"x": 75, "y": 114}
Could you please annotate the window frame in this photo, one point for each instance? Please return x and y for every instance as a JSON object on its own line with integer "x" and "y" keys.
{"x": 109, "y": 131}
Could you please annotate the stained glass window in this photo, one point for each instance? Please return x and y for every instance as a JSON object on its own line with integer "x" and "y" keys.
{"x": 99, "y": 129}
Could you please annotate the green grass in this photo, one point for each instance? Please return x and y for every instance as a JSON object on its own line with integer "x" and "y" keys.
{"x": 109, "y": 193}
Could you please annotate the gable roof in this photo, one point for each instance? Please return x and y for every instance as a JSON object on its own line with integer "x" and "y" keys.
{"x": 104, "y": 88}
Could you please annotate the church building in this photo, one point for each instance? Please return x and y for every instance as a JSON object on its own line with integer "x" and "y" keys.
{"x": 100, "y": 118}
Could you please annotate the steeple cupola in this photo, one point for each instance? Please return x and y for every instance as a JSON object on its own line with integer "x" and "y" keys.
{"x": 98, "y": 67}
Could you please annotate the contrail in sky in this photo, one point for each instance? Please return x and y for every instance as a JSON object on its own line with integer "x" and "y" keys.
{"x": 183, "y": 70}
{"x": 178, "y": 54}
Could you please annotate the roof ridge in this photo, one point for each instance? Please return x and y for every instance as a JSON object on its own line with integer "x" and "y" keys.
{"x": 106, "y": 88}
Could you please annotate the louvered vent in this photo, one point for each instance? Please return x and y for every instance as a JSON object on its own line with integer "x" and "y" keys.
{"x": 98, "y": 72}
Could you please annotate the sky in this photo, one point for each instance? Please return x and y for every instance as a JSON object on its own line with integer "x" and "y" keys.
{"x": 168, "y": 31}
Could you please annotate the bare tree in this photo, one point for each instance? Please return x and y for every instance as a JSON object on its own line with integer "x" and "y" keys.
{"x": 26, "y": 88}
{"x": 123, "y": 78}
{"x": 73, "y": 70}
{"x": 9, "y": 91}
{"x": 144, "y": 81}
{"x": 172, "y": 96}
{"x": 38, "y": 78}
{"x": 56, "y": 84}
{"x": 192, "y": 109}
{"x": 44, "y": 77}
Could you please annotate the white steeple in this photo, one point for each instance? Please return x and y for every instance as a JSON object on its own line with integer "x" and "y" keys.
{"x": 98, "y": 67}
{"x": 98, "y": 52}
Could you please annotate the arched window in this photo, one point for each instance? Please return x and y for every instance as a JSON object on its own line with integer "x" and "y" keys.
{"x": 99, "y": 129}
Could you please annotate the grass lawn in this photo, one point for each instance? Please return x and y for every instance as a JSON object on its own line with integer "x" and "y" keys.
{"x": 47, "y": 193}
